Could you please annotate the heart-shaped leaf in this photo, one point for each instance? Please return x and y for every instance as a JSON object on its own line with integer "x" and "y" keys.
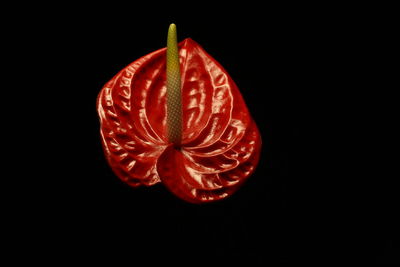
{"x": 220, "y": 143}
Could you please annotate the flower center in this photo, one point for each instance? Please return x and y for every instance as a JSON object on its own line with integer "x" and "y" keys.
{"x": 174, "y": 95}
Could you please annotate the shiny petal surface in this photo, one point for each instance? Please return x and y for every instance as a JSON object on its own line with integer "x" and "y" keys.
{"x": 200, "y": 179}
{"x": 220, "y": 141}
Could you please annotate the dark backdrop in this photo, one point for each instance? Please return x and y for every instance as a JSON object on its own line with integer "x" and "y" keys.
{"x": 286, "y": 62}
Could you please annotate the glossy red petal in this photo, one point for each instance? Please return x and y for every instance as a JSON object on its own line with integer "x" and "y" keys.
{"x": 131, "y": 146}
{"x": 203, "y": 179}
{"x": 220, "y": 141}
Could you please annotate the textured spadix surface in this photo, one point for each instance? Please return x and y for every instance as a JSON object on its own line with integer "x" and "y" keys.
{"x": 220, "y": 143}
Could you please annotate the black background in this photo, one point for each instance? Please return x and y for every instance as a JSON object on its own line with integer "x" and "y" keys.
{"x": 288, "y": 63}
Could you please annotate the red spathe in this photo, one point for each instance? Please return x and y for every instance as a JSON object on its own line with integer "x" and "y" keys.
{"x": 220, "y": 145}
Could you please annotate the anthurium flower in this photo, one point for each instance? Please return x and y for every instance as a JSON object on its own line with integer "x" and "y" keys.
{"x": 175, "y": 116}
